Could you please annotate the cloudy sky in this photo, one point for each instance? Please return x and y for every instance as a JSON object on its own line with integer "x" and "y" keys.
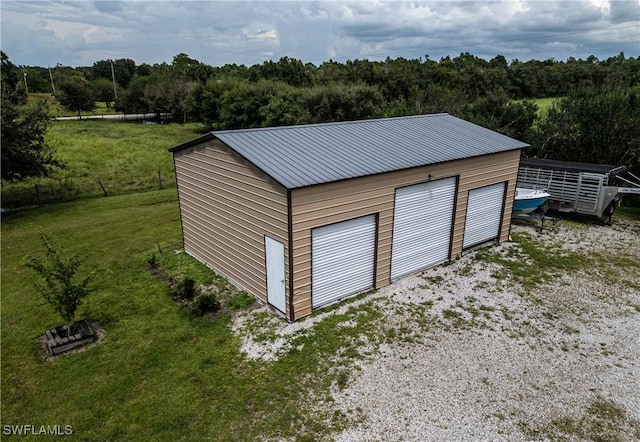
{"x": 78, "y": 33}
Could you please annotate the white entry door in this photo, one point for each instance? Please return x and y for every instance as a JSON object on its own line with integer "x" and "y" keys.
{"x": 274, "y": 251}
{"x": 484, "y": 214}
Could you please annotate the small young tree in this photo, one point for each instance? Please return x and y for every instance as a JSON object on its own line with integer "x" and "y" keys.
{"x": 60, "y": 290}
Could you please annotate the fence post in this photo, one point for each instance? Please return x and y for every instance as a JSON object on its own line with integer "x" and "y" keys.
{"x": 37, "y": 194}
{"x": 103, "y": 191}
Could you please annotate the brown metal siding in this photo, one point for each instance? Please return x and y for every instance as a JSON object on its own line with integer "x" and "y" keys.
{"x": 324, "y": 204}
{"x": 227, "y": 207}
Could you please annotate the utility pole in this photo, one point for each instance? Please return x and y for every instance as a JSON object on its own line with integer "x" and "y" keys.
{"x": 53, "y": 88}
{"x": 26, "y": 87}
{"x": 113, "y": 76}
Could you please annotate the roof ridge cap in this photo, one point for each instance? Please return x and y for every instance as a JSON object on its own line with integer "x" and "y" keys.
{"x": 330, "y": 123}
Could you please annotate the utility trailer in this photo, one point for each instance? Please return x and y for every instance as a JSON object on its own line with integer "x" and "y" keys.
{"x": 584, "y": 188}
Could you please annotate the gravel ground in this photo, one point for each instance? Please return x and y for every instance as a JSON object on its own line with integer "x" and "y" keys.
{"x": 479, "y": 355}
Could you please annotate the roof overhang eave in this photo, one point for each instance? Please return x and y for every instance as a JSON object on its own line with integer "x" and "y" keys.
{"x": 206, "y": 137}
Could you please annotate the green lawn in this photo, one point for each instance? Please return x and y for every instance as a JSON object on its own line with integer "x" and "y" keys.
{"x": 124, "y": 157}
{"x": 160, "y": 374}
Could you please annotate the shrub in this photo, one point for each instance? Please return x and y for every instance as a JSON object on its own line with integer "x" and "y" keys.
{"x": 204, "y": 303}
{"x": 152, "y": 260}
{"x": 186, "y": 288}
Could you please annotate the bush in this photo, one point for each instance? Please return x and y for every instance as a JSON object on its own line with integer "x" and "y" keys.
{"x": 152, "y": 260}
{"x": 204, "y": 303}
{"x": 186, "y": 288}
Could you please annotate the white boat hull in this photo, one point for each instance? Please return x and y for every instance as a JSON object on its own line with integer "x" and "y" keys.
{"x": 528, "y": 200}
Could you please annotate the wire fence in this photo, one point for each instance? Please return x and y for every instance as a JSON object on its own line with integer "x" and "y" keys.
{"x": 47, "y": 191}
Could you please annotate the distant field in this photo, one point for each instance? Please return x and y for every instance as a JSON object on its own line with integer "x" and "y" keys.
{"x": 545, "y": 103}
{"x": 124, "y": 157}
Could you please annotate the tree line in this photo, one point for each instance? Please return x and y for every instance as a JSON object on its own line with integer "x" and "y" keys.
{"x": 597, "y": 120}
{"x": 399, "y": 85}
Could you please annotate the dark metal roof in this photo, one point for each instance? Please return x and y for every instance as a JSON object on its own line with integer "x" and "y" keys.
{"x": 299, "y": 156}
{"x": 571, "y": 166}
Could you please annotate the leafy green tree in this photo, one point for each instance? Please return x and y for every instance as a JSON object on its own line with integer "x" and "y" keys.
{"x": 123, "y": 69}
{"x": 132, "y": 99}
{"x": 59, "y": 288}
{"x": 241, "y": 106}
{"x": 143, "y": 70}
{"x": 432, "y": 99}
{"x": 37, "y": 79}
{"x": 24, "y": 150}
{"x": 25, "y": 153}
{"x": 598, "y": 126}
{"x": 499, "y": 113}
{"x": 76, "y": 95}
{"x": 190, "y": 69}
{"x": 232, "y": 71}
{"x": 499, "y": 62}
{"x": 170, "y": 94}
{"x": 207, "y": 100}
{"x": 12, "y": 90}
{"x": 287, "y": 70}
{"x": 103, "y": 91}
{"x": 285, "y": 108}
{"x": 399, "y": 78}
{"x": 340, "y": 102}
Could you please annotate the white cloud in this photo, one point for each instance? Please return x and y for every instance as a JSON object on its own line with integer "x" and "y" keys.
{"x": 603, "y": 5}
{"x": 270, "y": 34}
{"x": 79, "y": 33}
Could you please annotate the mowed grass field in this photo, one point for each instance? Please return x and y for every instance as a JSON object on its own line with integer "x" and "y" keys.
{"x": 124, "y": 157}
{"x": 160, "y": 374}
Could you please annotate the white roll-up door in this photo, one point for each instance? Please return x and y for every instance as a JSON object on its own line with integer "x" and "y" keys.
{"x": 484, "y": 214}
{"x": 422, "y": 223}
{"x": 343, "y": 256}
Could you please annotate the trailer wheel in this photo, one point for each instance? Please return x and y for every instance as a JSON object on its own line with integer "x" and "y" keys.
{"x": 608, "y": 213}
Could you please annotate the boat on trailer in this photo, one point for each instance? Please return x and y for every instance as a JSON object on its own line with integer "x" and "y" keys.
{"x": 529, "y": 200}
{"x": 583, "y": 188}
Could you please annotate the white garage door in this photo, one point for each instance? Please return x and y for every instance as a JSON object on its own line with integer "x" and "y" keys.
{"x": 484, "y": 214}
{"x": 422, "y": 223}
{"x": 343, "y": 257}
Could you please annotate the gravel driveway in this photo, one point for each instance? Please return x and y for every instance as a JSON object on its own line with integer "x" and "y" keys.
{"x": 501, "y": 344}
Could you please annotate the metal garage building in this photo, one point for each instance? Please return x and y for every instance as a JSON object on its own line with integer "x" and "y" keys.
{"x": 303, "y": 216}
